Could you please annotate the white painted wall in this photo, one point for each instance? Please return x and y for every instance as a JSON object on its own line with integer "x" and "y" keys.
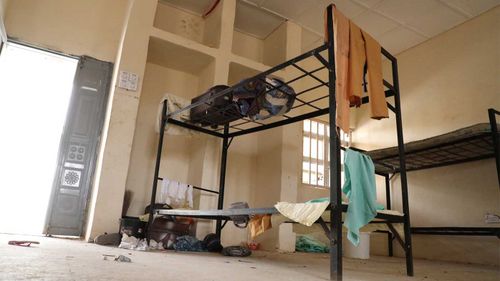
{"x": 3, "y": 8}
{"x": 3, "y": 12}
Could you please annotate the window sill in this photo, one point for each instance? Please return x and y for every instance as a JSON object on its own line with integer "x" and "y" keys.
{"x": 306, "y": 185}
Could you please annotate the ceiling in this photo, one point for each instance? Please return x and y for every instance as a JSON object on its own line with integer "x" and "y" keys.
{"x": 255, "y": 21}
{"x": 397, "y": 24}
{"x": 250, "y": 19}
{"x": 194, "y": 6}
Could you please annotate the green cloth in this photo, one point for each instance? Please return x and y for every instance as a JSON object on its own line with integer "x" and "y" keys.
{"x": 319, "y": 200}
{"x": 360, "y": 189}
{"x": 310, "y": 245}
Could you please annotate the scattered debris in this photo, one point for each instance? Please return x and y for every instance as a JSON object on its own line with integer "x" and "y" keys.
{"x": 122, "y": 258}
{"x": 245, "y": 261}
{"x": 108, "y": 239}
{"x": 128, "y": 242}
{"x": 133, "y": 243}
{"x": 23, "y": 243}
{"x": 253, "y": 245}
{"x": 299, "y": 266}
{"x": 142, "y": 245}
{"x": 106, "y": 256}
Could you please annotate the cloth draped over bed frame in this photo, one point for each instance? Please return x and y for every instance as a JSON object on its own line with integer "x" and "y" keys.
{"x": 356, "y": 51}
{"x": 174, "y": 103}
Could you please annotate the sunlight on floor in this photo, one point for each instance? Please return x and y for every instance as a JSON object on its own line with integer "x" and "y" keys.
{"x": 35, "y": 88}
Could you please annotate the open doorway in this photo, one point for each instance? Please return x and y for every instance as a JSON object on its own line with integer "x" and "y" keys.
{"x": 35, "y": 90}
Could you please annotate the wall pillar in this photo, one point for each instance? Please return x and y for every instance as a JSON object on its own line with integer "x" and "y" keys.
{"x": 114, "y": 155}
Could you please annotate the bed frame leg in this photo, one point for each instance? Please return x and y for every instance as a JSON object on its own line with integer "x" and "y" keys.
{"x": 335, "y": 187}
{"x": 402, "y": 165}
{"x": 496, "y": 143}
{"x": 388, "y": 207}
{"x": 390, "y": 249}
{"x": 222, "y": 179}
{"x": 157, "y": 169}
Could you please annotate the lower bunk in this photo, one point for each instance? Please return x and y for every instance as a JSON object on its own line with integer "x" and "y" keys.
{"x": 387, "y": 221}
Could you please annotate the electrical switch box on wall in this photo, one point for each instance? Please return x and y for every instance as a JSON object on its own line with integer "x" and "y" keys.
{"x": 128, "y": 80}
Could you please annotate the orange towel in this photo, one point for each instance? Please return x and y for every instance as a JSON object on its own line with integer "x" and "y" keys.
{"x": 357, "y": 58}
{"x": 341, "y": 46}
{"x": 353, "y": 49}
{"x": 376, "y": 92}
{"x": 259, "y": 224}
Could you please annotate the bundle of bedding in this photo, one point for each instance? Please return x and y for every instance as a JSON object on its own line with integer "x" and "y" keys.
{"x": 257, "y": 99}
{"x": 174, "y": 103}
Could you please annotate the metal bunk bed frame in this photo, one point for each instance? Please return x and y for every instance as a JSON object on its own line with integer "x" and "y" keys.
{"x": 470, "y": 231}
{"x": 230, "y": 131}
{"x": 487, "y": 141}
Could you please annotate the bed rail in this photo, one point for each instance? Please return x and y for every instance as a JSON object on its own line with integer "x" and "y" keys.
{"x": 492, "y": 113}
{"x": 462, "y": 231}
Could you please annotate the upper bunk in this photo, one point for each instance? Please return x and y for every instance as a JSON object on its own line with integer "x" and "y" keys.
{"x": 306, "y": 74}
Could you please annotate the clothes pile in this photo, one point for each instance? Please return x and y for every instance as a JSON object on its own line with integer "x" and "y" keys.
{"x": 188, "y": 243}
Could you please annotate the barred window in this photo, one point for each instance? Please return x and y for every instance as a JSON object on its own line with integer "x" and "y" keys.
{"x": 315, "y": 155}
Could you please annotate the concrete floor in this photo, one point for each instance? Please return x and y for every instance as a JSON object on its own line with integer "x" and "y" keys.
{"x": 64, "y": 259}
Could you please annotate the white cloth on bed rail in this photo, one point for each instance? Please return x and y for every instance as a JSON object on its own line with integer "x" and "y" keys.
{"x": 175, "y": 194}
{"x": 174, "y": 103}
{"x": 304, "y": 213}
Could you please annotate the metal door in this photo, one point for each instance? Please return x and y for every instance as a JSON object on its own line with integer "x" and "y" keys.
{"x": 78, "y": 148}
